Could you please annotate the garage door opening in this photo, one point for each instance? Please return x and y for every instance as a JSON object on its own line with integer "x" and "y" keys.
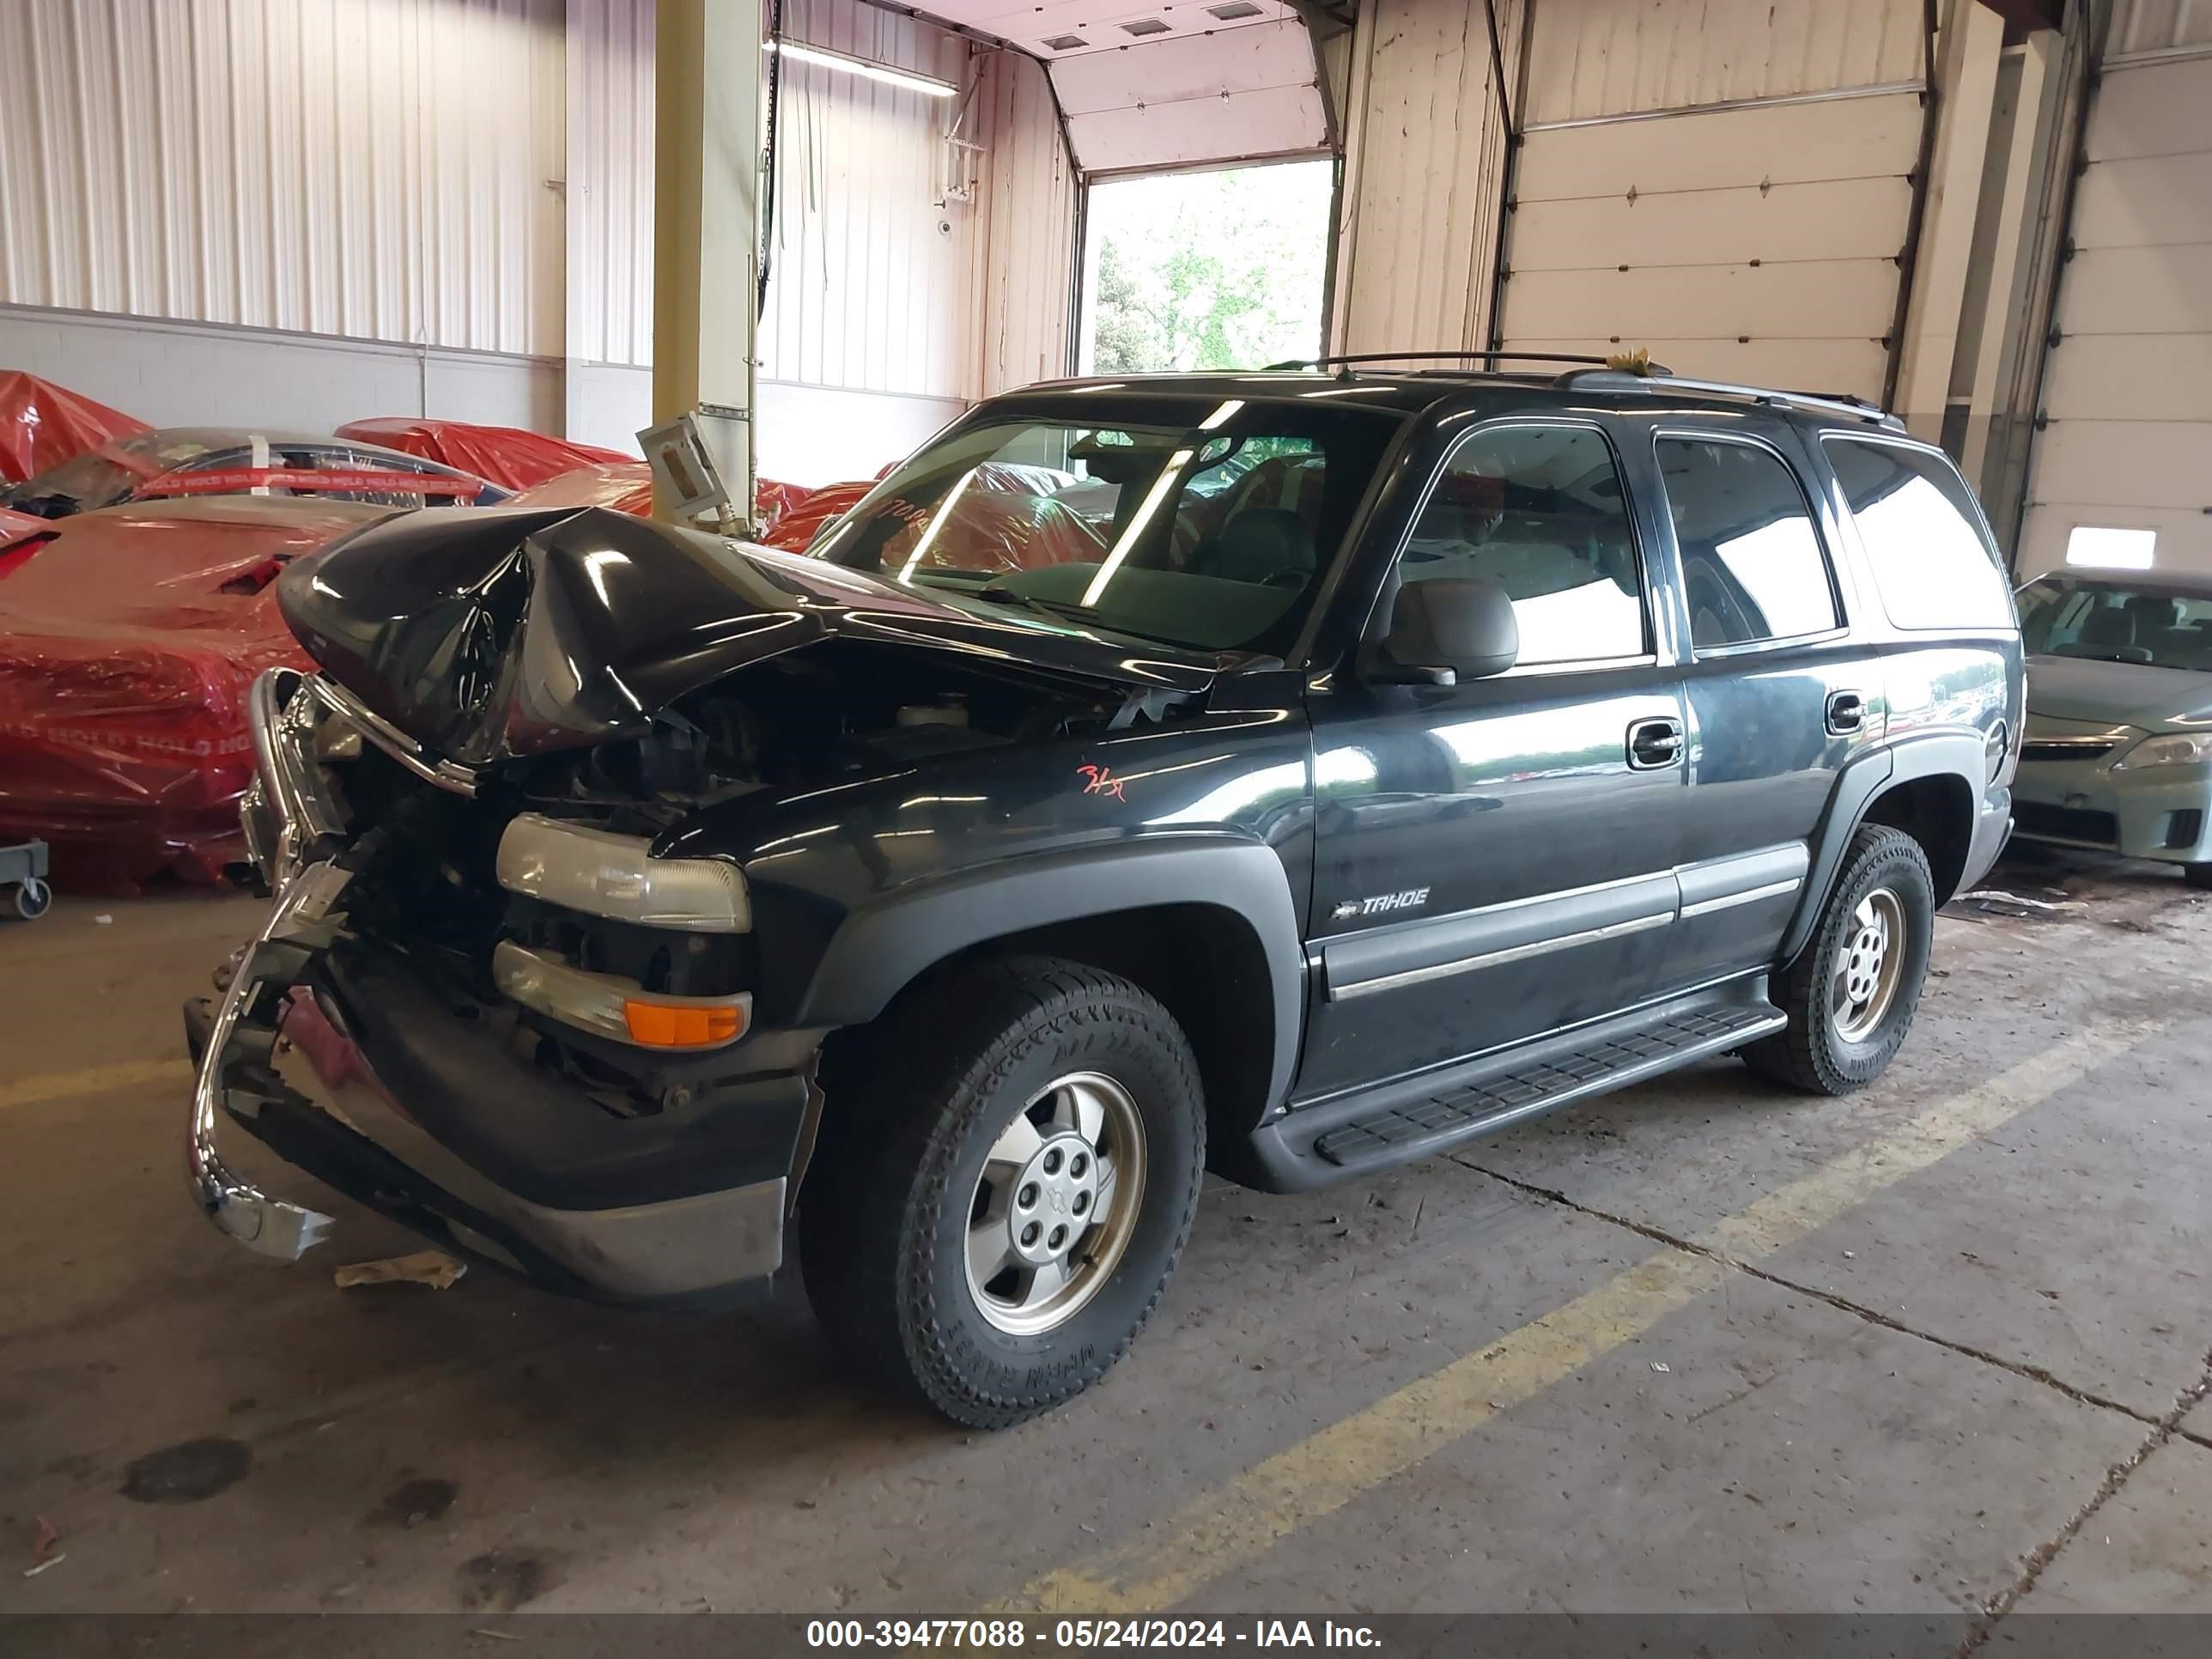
{"x": 1223, "y": 269}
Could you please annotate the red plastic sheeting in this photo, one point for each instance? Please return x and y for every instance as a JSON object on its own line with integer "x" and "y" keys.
{"x": 627, "y": 487}
{"x": 42, "y": 425}
{"x": 127, "y": 643}
{"x": 510, "y": 457}
{"x": 796, "y": 528}
{"x": 1008, "y": 529}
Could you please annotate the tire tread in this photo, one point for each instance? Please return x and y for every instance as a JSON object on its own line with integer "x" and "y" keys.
{"x": 1802, "y": 1055}
{"x": 931, "y": 1068}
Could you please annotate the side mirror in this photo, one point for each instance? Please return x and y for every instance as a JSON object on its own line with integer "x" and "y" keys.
{"x": 1447, "y": 630}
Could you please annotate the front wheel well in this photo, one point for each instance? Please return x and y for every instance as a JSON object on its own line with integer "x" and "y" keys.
{"x": 1938, "y": 812}
{"x": 1204, "y": 963}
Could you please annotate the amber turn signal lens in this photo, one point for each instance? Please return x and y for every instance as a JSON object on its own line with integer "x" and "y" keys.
{"x": 663, "y": 1025}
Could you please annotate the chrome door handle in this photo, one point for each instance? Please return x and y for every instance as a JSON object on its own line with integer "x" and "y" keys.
{"x": 1846, "y": 713}
{"x": 1655, "y": 744}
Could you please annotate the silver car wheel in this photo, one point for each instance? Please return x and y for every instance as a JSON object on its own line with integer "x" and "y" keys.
{"x": 1868, "y": 963}
{"x": 1056, "y": 1204}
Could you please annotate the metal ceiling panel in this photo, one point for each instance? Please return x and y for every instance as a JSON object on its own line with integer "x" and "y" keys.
{"x": 1056, "y": 30}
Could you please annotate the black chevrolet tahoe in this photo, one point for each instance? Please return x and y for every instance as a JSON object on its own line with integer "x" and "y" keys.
{"x": 1292, "y": 773}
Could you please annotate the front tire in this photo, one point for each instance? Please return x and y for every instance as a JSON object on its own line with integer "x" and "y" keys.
{"x": 992, "y": 1217}
{"x": 1852, "y": 992}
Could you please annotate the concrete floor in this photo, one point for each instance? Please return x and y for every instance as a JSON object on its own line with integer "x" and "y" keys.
{"x": 1941, "y": 1349}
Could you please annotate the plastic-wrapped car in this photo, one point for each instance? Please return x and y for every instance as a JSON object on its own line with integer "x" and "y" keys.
{"x": 170, "y": 462}
{"x": 128, "y": 638}
{"x": 508, "y": 456}
{"x": 43, "y": 424}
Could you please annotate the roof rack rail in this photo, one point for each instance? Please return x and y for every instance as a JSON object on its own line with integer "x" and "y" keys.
{"x": 1346, "y": 363}
{"x": 1834, "y": 403}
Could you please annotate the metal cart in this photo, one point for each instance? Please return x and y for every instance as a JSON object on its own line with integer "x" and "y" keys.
{"x": 23, "y": 879}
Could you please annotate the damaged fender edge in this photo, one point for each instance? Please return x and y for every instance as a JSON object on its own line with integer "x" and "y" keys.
{"x": 298, "y": 928}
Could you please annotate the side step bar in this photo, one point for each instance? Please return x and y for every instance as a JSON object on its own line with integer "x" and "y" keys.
{"x": 1382, "y": 1127}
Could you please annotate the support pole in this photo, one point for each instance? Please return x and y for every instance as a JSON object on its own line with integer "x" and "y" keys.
{"x": 706, "y": 236}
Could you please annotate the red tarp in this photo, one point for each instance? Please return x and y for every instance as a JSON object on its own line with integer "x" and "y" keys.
{"x": 127, "y": 642}
{"x": 510, "y": 457}
{"x": 798, "y": 527}
{"x": 627, "y": 487}
{"x": 42, "y": 424}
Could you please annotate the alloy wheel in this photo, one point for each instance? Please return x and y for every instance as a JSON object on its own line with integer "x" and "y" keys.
{"x": 1056, "y": 1204}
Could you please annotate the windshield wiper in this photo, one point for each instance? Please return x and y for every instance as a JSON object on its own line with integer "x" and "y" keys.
{"x": 998, "y": 595}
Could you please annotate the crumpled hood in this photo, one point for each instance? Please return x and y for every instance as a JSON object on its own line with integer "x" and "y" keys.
{"x": 489, "y": 635}
{"x": 2117, "y": 693}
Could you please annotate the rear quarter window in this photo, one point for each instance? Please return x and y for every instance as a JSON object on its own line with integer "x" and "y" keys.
{"x": 1922, "y": 533}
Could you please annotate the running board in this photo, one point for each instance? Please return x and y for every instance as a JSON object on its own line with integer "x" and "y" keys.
{"x": 1402, "y": 1122}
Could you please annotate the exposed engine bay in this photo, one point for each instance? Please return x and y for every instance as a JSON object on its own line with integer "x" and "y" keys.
{"x": 836, "y": 710}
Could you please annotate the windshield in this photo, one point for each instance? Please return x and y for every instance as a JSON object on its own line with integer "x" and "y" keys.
{"x": 2115, "y": 622}
{"x": 104, "y": 476}
{"x": 1203, "y": 524}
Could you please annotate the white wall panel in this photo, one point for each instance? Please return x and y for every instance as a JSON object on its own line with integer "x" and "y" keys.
{"x": 172, "y": 374}
{"x": 610, "y": 181}
{"x": 1024, "y": 250}
{"x": 1418, "y": 238}
{"x": 1600, "y": 57}
{"x": 2129, "y": 441}
{"x": 869, "y": 287}
{"x": 459, "y": 176}
{"x": 372, "y": 169}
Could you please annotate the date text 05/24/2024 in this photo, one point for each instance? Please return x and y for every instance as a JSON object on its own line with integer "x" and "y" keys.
{"x": 1069, "y": 1634}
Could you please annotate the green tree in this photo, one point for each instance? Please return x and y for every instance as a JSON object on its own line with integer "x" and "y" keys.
{"x": 1209, "y": 271}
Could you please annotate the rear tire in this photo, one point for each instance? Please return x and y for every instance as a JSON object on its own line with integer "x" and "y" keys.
{"x": 991, "y": 1218}
{"x": 1852, "y": 992}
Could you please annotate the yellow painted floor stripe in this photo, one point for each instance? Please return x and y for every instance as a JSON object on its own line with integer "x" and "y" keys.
{"x": 1239, "y": 1520}
{"x": 94, "y": 1080}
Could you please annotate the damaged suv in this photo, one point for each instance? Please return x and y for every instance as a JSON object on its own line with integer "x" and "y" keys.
{"x": 1368, "y": 761}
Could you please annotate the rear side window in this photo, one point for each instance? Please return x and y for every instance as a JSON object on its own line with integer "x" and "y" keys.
{"x": 1752, "y": 565}
{"x": 1921, "y": 535}
{"x": 1538, "y": 512}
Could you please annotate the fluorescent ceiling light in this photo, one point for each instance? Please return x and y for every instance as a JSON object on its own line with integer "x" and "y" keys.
{"x": 906, "y": 80}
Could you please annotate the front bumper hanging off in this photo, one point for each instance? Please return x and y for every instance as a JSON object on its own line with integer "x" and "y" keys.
{"x": 584, "y": 1203}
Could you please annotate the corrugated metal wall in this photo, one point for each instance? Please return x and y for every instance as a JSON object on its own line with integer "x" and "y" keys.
{"x": 870, "y": 284}
{"x": 874, "y": 285}
{"x": 1595, "y": 58}
{"x": 609, "y": 181}
{"x": 374, "y": 168}
{"x": 1024, "y": 253}
{"x": 1418, "y": 231}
